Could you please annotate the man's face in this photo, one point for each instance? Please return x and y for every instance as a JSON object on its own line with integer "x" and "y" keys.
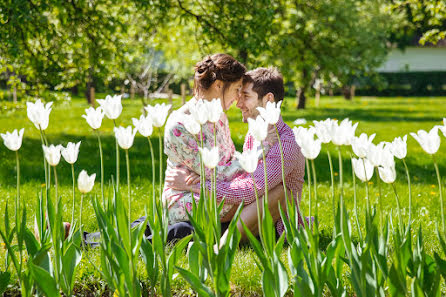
{"x": 248, "y": 102}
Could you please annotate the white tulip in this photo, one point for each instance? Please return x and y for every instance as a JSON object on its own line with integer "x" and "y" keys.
{"x": 387, "y": 159}
{"x": 360, "y": 145}
{"x": 125, "y": 136}
{"x": 271, "y": 113}
{"x": 214, "y": 110}
{"x": 52, "y": 154}
{"x": 387, "y": 174}
{"x": 363, "y": 169}
{"x": 430, "y": 142}
{"x": 344, "y": 132}
{"x": 94, "y": 117}
{"x": 398, "y": 147}
{"x": 71, "y": 152}
{"x": 258, "y": 128}
{"x": 13, "y": 141}
{"x": 112, "y": 106}
{"x": 210, "y": 157}
{"x": 199, "y": 111}
{"x": 144, "y": 125}
{"x": 191, "y": 125}
{"x": 85, "y": 183}
{"x": 311, "y": 148}
{"x": 325, "y": 129}
{"x": 301, "y": 132}
{"x": 248, "y": 159}
{"x": 39, "y": 114}
{"x": 158, "y": 113}
{"x": 443, "y": 128}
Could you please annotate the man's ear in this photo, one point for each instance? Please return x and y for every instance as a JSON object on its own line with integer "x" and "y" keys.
{"x": 268, "y": 98}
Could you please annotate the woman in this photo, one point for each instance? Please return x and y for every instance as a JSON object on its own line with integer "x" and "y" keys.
{"x": 217, "y": 76}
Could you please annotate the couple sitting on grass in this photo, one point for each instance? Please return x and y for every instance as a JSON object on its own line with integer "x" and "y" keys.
{"x": 221, "y": 76}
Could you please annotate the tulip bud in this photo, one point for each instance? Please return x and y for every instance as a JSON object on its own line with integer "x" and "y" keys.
{"x": 39, "y": 114}
{"x": 94, "y": 117}
{"x": 363, "y": 169}
{"x": 71, "y": 152}
{"x": 112, "y": 106}
{"x": 199, "y": 111}
{"x": 360, "y": 145}
{"x": 144, "y": 125}
{"x": 158, "y": 113}
{"x": 191, "y": 125}
{"x": 85, "y": 183}
{"x": 248, "y": 160}
{"x": 258, "y": 128}
{"x": 399, "y": 147}
{"x": 52, "y": 154}
{"x": 125, "y": 136}
{"x": 271, "y": 112}
{"x": 13, "y": 141}
{"x": 325, "y": 129}
{"x": 214, "y": 110}
{"x": 387, "y": 174}
{"x": 430, "y": 142}
{"x": 210, "y": 157}
{"x": 344, "y": 132}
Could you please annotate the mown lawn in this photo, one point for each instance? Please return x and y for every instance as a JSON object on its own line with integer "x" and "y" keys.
{"x": 387, "y": 117}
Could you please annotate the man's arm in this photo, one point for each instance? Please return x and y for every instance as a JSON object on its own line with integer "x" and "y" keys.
{"x": 242, "y": 188}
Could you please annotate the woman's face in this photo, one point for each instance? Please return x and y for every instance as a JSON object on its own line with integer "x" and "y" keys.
{"x": 231, "y": 94}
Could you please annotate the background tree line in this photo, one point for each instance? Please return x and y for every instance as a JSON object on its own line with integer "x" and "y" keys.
{"x": 143, "y": 46}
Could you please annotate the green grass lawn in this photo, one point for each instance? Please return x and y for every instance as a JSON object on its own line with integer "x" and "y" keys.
{"x": 387, "y": 117}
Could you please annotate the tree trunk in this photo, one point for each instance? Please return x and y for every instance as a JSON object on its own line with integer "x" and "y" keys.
{"x": 301, "y": 99}
{"x": 74, "y": 90}
{"x": 170, "y": 95}
{"x": 14, "y": 94}
{"x": 90, "y": 93}
{"x": 132, "y": 90}
{"x": 347, "y": 92}
{"x": 183, "y": 93}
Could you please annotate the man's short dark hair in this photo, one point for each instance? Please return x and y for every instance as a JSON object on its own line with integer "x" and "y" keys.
{"x": 266, "y": 80}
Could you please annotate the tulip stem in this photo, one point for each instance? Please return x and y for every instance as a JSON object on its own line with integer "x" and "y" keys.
{"x": 102, "y": 166}
{"x": 341, "y": 182}
{"x": 72, "y": 213}
{"x": 17, "y": 207}
{"x": 153, "y": 177}
{"x": 309, "y": 188}
{"x": 259, "y": 221}
{"x": 283, "y": 163}
{"x": 265, "y": 197}
{"x": 378, "y": 181}
{"x": 55, "y": 184}
{"x": 441, "y": 192}
{"x": 44, "y": 160}
{"x": 315, "y": 187}
{"x": 117, "y": 159}
{"x": 128, "y": 189}
{"x": 80, "y": 219}
{"x": 332, "y": 190}
{"x": 355, "y": 203}
{"x": 399, "y": 209}
{"x": 161, "y": 161}
{"x": 366, "y": 186}
{"x": 410, "y": 191}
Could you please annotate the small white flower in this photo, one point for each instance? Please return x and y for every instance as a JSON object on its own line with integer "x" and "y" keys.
{"x": 85, "y": 183}
{"x": 39, "y": 114}
{"x": 344, "y": 132}
{"x": 210, "y": 157}
{"x": 360, "y": 145}
{"x": 71, "y": 152}
{"x": 300, "y": 133}
{"x": 112, "y": 106}
{"x": 271, "y": 113}
{"x": 144, "y": 125}
{"x": 158, "y": 113}
{"x": 398, "y": 147}
{"x": 199, "y": 111}
{"x": 310, "y": 147}
{"x": 94, "y": 117}
{"x": 248, "y": 160}
{"x": 387, "y": 174}
{"x": 125, "y": 136}
{"x": 214, "y": 110}
{"x": 52, "y": 154}
{"x": 191, "y": 125}
{"x": 363, "y": 169}
{"x": 430, "y": 142}
{"x": 258, "y": 128}
{"x": 300, "y": 121}
{"x": 13, "y": 141}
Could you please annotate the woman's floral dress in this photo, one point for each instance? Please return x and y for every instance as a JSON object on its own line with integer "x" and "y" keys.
{"x": 181, "y": 147}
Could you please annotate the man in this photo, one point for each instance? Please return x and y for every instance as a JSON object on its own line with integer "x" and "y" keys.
{"x": 260, "y": 86}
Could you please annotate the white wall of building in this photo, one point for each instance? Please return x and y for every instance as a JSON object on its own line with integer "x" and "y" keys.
{"x": 415, "y": 59}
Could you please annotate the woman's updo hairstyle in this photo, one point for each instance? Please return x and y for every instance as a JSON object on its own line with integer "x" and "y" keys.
{"x": 217, "y": 67}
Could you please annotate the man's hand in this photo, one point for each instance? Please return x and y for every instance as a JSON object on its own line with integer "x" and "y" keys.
{"x": 181, "y": 179}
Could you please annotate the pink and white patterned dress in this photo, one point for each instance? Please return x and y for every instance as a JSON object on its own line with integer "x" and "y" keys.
{"x": 181, "y": 147}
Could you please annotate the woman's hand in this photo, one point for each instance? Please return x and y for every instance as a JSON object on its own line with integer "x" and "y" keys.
{"x": 181, "y": 179}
